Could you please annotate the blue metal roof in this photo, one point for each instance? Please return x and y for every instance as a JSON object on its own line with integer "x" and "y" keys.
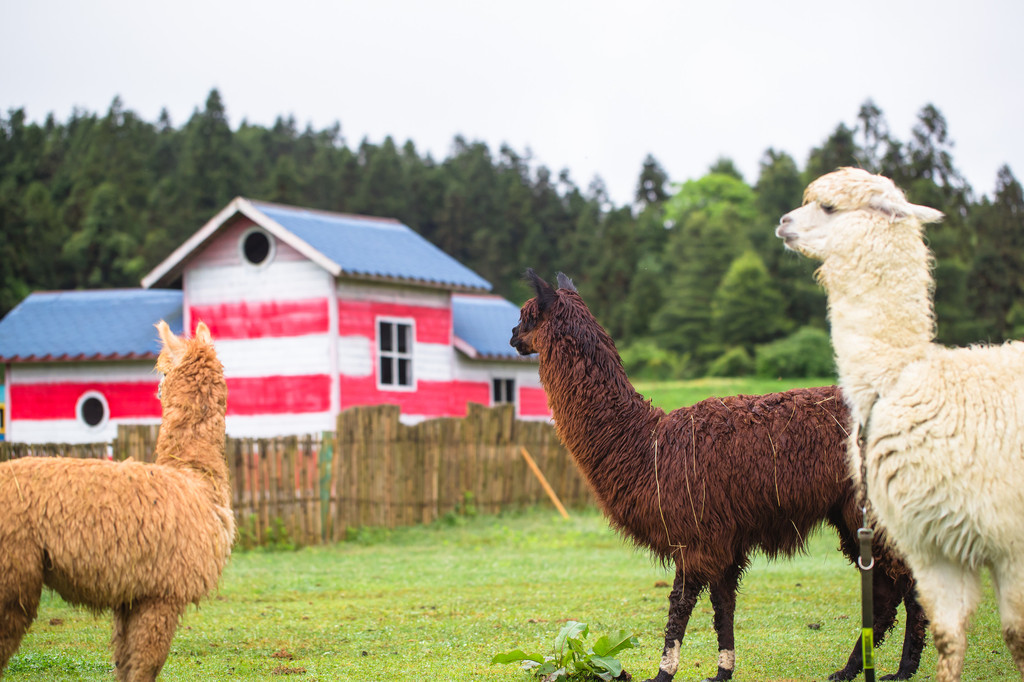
{"x": 373, "y": 246}
{"x": 89, "y": 325}
{"x": 485, "y": 324}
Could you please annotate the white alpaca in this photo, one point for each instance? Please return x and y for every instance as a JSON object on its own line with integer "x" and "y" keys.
{"x": 945, "y": 426}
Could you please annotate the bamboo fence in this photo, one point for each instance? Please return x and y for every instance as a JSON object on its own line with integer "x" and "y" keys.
{"x": 371, "y": 471}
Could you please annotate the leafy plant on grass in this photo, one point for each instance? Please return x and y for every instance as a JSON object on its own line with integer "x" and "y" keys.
{"x": 571, "y": 660}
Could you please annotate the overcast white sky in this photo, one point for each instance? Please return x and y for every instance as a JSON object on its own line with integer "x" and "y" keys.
{"x": 590, "y": 86}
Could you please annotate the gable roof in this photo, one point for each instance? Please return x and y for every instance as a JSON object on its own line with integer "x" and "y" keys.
{"x": 482, "y": 326}
{"x": 109, "y": 324}
{"x": 342, "y": 244}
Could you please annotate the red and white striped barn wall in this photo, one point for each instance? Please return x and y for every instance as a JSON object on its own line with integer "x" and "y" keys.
{"x": 43, "y": 399}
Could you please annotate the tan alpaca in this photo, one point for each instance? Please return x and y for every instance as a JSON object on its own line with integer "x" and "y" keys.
{"x": 144, "y": 540}
{"x": 945, "y": 426}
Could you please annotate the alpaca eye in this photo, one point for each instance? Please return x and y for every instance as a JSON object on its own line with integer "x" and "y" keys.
{"x": 828, "y": 208}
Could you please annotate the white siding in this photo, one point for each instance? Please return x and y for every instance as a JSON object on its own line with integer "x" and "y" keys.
{"x": 279, "y": 281}
{"x": 268, "y": 425}
{"x": 355, "y": 356}
{"x": 525, "y": 373}
{"x": 224, "y": 248}
{"x": 84, "y": 372}
{"x": 66, "y": 430}
{"x": 389, "y": 293}
{"x": 279, "y": 356}
{"x": 433, "y": 362}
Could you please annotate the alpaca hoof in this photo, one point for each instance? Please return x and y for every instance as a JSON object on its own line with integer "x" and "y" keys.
{"x": 842, "y": 675}
{"x": 662, "y": 676}
{"x": 722, "y": 676}
{"x": 898, "y": 675}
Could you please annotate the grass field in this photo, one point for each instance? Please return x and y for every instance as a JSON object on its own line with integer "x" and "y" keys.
{"x": 672, "y": 394}
{"x": 435, "y": 603}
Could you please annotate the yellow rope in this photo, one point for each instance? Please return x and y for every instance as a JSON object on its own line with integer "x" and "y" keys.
{"x": 661, "y": 513}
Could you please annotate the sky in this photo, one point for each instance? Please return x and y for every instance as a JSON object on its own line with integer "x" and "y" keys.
{"x": 592, "y": 87}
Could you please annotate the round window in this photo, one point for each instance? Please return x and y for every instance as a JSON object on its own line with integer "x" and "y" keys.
{"x": 257, "y": 247}
{"x": 92, "y": 409}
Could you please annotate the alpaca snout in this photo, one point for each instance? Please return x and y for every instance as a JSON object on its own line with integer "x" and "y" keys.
{"x": 784, "y": 230}
{"x": 517, "y": 342}
{"x": 787, "y": 232}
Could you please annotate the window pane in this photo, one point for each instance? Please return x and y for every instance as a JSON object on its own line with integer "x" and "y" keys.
{"x": 403, "y": 337}
{"x": 510, "y": 390}
{"x": 386, "y": 340}
{"x": 496, "y": 391}
{"x": 386, "y": 371}
{"x": 403, "y": 372}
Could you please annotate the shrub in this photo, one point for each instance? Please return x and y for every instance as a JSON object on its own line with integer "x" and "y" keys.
{"x": 645, "y": 359}
{"x": 735, "y": 362}
{"x": 807, "y": 352}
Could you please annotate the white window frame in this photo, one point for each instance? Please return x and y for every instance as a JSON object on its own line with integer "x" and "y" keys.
{"x": 508, "y": 388}
{"x": 271, "y": 248}
{"x": 394, "y": 355}
{"x": 81, "y": 402}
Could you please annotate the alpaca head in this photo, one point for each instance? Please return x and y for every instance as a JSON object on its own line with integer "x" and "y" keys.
{"x": 538, "y": 310}
{"x": 188, "y": 363}
{"x": 849, "y": 206}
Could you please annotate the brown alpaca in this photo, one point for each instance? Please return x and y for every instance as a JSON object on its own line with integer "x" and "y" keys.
{"x": 144, "y": 540}
{"x": 707, "y": 485}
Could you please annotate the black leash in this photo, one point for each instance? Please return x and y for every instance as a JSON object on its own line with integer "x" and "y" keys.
{"x": 866, "y": 562}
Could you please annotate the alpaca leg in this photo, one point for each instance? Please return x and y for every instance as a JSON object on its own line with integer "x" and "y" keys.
{"x": 723, "y": 601}
{"x": 21, "y": 584}
{"x": 886, "y": 600}
{"x": 1009, "y": 584}
{"x": 916, "y": 628}
{"x": 949, "y": 592}
{"x": 142, "y": 638}
{"x": 681, "y": 601}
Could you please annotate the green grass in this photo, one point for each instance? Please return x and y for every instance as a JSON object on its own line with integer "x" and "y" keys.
{"x": 672, "y": 394}
{"x": 437, "y": 602}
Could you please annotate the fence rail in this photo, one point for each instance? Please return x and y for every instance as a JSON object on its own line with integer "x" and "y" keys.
{"x": 371, "y": 471}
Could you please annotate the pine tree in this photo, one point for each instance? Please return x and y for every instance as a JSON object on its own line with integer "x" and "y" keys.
{"x": 747, "y": 308}
{"x": 996, "y": 280}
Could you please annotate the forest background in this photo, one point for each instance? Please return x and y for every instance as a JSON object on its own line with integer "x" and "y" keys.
{"x": 688, "y": 279}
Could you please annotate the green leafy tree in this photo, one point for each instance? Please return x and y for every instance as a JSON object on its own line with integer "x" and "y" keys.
{"x": 780, "y": 190}
{"x": 996, "y": 279}
{"x": 210, "y": 171}
{"x": 839, "y": 150}
{"x": 650, "y": 187}
{"x": 874, "y": 132}
{"x": 382, "y": 187}
{"x": 747, "y": 308}
{"x": 713, "y": 220}
{"x": 104, "y": 250}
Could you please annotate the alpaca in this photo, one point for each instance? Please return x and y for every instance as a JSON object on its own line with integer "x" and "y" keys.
{"x": 143, "y": 540}
{"x": 705, "y": 486}
{"x": 945, "y": 446}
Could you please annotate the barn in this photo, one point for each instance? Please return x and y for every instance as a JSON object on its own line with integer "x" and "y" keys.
{"x": 312, "y": 312}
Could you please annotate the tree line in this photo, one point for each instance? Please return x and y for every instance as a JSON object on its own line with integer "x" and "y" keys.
{"x": 688, "y": 278}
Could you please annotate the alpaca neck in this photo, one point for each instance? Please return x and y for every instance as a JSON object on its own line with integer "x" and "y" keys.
{"x": 192, "y": 438}
{"x": 597, "y": 412}
{"x": 880, "y": 311}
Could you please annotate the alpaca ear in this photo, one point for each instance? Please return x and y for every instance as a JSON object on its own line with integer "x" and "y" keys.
{"x": 898, "y": 210}
{"x": 545, "y": 294}
{"x": 565, "y": 283}
{"x": 926, "y": 214}
{"x": 203, "y": 333}
{"x": 172, "y": 344}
